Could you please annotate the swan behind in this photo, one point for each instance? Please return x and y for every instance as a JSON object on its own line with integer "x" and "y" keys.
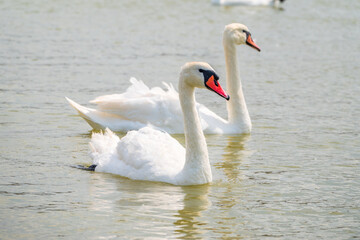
{"x": 141, "y": 106}
{"x": 153, "y": 155}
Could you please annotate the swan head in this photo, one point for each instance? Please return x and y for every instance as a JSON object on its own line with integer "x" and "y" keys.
{"x": 202, "y": 75}
{"x": 238, "y": 34}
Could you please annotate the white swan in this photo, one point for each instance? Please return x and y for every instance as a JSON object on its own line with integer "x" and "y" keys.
{"x": 140, "y": 106}
{"x": 153, "y": 155}
{"x": 275, "y": 3}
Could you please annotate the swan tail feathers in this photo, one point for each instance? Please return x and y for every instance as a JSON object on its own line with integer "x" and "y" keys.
{"x": 102, "y": 146}
{"x": 98, "y": 120}
{"x": 88, "y": 114}
{"x": 104, "y": 141}
{"x": 83, "y": 111}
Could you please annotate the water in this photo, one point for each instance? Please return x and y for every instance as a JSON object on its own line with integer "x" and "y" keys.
{"x": 295, "y": 177}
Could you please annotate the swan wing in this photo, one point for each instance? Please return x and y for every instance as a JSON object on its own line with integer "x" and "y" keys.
{"x": 139, "y": 103}
{"x": 147, "y": 154}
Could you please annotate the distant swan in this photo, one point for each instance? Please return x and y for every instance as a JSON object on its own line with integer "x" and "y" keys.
{"x": 153, "y": 155}
{"x": 275, "y": 3}
{"x": 140, "y": 106}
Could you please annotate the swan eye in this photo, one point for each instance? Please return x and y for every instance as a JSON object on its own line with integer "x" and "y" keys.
{"x": 201, "y": 70}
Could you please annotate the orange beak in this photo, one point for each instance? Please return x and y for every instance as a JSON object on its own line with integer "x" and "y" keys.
{"x": 250, "y": 42}
{"x": 214, "y": 85}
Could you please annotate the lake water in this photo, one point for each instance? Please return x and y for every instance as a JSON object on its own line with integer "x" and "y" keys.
{"x": 295, "y": 177}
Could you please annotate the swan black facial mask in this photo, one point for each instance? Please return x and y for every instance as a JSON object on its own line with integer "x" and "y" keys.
{"x": 211, "y": 82}
{"x": 250, "y": 42}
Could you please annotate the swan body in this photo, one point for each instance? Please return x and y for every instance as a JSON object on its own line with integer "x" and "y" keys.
{"x": 141, "y": 106}
{"x": 133, "y": 157}
{"x": 275, "y": 3}
{"x": 153, "y": 155}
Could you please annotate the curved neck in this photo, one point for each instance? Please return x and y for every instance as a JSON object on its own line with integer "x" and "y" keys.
{"x": 197, "y": 159}
{"x": 236, "y": 106}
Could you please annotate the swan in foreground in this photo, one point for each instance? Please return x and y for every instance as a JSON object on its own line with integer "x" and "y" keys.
{"x": 141, "y": 106}
{"x": 153, "y": 155}
{"x": 275, "y": 3}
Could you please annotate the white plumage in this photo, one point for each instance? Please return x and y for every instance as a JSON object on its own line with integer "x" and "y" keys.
{"x": 153, "y": 155}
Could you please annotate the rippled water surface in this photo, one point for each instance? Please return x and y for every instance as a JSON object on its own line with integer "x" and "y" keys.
{"x": 295, "y": 177}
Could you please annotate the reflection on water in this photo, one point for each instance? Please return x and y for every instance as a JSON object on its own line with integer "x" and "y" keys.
{"x": 142, "y": 201}
{"x": 233, "y": 155}
{"x": 189, "y": 225}
{"x": 154, "y": 206}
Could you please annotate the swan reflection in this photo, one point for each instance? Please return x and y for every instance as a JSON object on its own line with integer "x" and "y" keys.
{"x": 149, "y": 208}
{"x": 161, "y": 210}
{"x": 190, "y": 224}
{"x": 234, "y": 153}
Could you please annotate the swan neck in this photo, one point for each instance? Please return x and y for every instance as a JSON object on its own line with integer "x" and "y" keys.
{"x": 237, "y": 110}
{"x": 197, "y": 159}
